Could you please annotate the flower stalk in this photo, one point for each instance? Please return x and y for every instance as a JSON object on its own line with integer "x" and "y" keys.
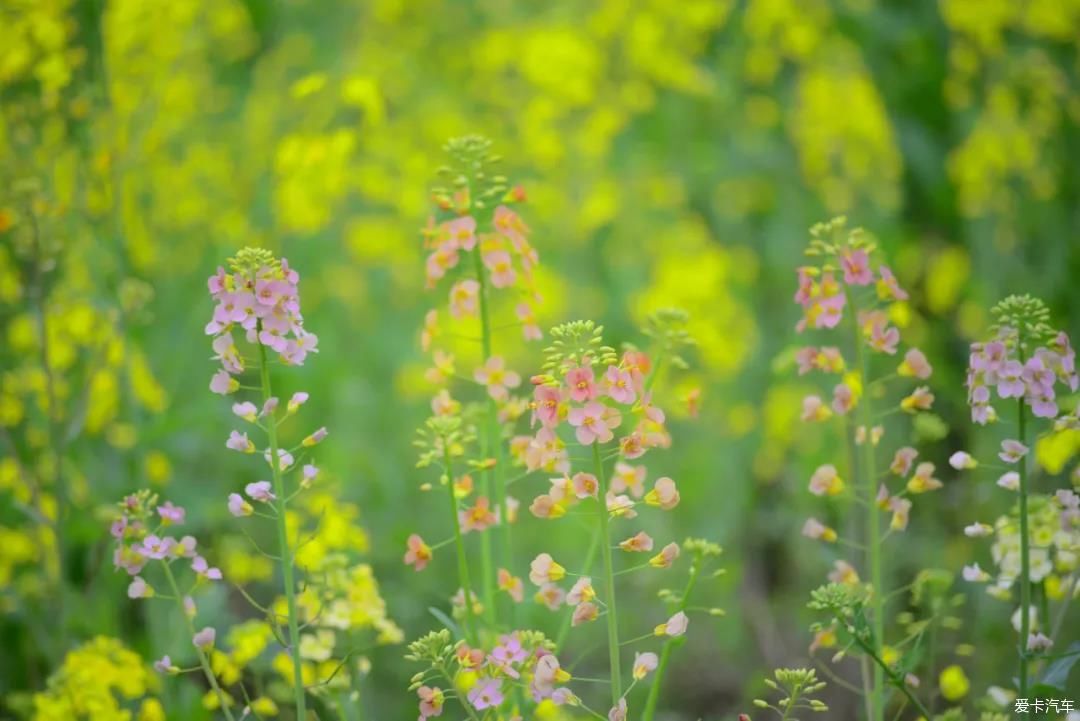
{"x": 1025, "y": 553}
{"x": 609, "y": 579}
{"x": 459, "y": 543}
{"x": 285, "y": 552}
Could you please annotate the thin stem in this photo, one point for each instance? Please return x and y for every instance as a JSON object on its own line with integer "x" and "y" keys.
{"x": 1025, "y": 554}
{"x": 895, "y": 679}
{"x": 873, "y": 538}
{"x": 590, "y": 559}
{"x": 283, "y": 545}
{"x": 609, "y": 581}
{"x": 463, "y": 563}
{"x": 669, "y": 645}
{"x": 494, "y": 485}
{"x": 223, "y": 700}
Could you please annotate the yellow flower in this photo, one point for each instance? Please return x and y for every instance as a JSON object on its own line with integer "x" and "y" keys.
{"x": 954, "y": 683}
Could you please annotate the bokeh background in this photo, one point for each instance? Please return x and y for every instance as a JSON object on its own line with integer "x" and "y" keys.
{"x": 674, "y": 154}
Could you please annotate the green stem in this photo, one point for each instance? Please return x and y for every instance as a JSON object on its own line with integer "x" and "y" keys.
{"x": 873, "y": 540}
{"x": 203, "y": 660}
{"x": 459, "y": 541}
{"x": 609, "y": 580}
{"x": 1025, "y": 555}
{"x": 793, "y": 698}
{"x": 283, "y": 544}
{"x": 895, "y": 679}
{"x": 669, "y": 645}
{"x": 494, "y": 487}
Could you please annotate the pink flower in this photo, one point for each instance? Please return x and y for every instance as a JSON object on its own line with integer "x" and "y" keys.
{"x": 239, "y": 442}
{"x": 974, "y": 574}
{"x": 138, "y": 588}
{"x": 856, "y": 266}
{"x": 1012, "y": 450}
{"x": 826, "y": 481}
{"x": 431, "y": 701}
{"x": 246, "y": 410}
{"x": 223, "y": 384}
{"x": 962, "y": 461}
{"x": 843, "y": 399}
{"x": 884, "y": 338}
{"x": 316, "y": 437}
{"x": 666, "y": 557}
{"x": 544, "y": 569}
{"x": 583, "y": 613}
{"x": 511, "y": 584}
{"x": 814, "y": 409}
{"x": 640, "y": 542}
{"x": 284, "y": 459}
{"x": 461, "y": 232}
{"x": 978, "y": 530}
{"x": 551, "y": 596}
{"x": 581, "y": 592}
{"x": 464, "y": 298}
{"x": 903, "y": 459}
{"x": 548, "y": 673}
{"x": 479, "y": 517}
{"x": 170, "y": 514}
{"x": 674, "y": 626}
{"x": 644, "y": 663}
{"x": 204, "y": 569}
{"x": 204, "y": 639}
{"x": 164, "y": 665}
{"x": 618, "y": 711}
{"x": 664, "y": 494}
{"x": 620, "y": 506}
{"x": 594, "y": 422}
{"x": 486, "y": 694}
{"x": 260, "y": 491}
{"x": 546, "y": 400}
{"x": 501, "y": 266}
{"x": 581, "y": 383}
{"x": 529, "y": 328}
{"x": 496, "y": 378}
{"x": 628, "y": 477}
{"x": 417, "y": 553}
{"x": 238, "y": 506}
{"x": 156, "y": 548}
{"x": 619, "y": 385}
{"x": 888, "y": 288}
{"x": 915, "y": 365}
{"x": 298, "y": 399}
{"x": 1010, "y": 481}
{"x": 585, "y": 485}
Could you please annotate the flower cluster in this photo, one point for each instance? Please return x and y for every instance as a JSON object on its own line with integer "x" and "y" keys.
{"x": 260, "y": 297}
{"x": 847, "y": 280}
{"x": 1025, "y": 360}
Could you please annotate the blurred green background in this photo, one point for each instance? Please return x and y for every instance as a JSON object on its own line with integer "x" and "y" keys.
{"x": 674, "y": 154}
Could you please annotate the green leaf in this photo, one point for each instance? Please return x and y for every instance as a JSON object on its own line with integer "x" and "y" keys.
{"x": 446, "y": 621}
{"x": 1057, "y": 673}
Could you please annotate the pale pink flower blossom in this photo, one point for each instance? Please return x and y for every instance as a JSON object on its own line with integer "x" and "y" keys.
{"x": 494, "y": 376}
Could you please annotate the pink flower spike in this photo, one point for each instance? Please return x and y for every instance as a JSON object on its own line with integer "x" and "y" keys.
{"x": 170, "y": 514}
{"x": 238, "y": 506}
{"x": 1012, "y": 450}
{"x": 260, "y": 491}
{"x": 204, "y": 639}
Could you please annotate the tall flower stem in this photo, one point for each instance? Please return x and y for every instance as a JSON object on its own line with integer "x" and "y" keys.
{"x": 283, "y": 544}
{"x": 1025, "y": 554}
{"x": 609, "y": 579}
{"x": 459, "y": 542}
{"x": 223, "y": 700}
{"x": 873, "y": 532}
{"x": 494, "y": 483}
{"x": 669, "y": 645}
